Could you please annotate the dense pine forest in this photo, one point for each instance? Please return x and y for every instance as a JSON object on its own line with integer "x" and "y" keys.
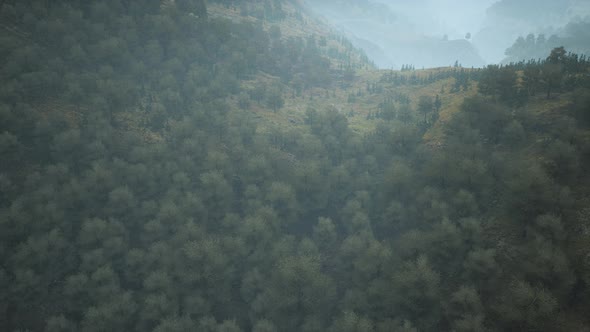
{"x": 167, "y": 169}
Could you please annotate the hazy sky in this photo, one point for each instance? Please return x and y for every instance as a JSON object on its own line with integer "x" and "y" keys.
{"x": 451, "y": 17}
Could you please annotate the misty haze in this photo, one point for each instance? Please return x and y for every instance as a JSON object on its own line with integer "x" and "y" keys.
{"x": 294, "y": 165}
{"x": 436, "y": 33}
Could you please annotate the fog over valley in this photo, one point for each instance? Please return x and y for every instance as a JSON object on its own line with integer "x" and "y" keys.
{"x": 436, "y": 33}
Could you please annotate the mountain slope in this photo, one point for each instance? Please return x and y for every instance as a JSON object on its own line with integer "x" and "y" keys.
{"x": 167, "y": 169}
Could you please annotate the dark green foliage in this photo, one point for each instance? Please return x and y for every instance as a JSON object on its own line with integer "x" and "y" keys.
{"x": 274, "y": 99}
{"x": 500, "y": 82}
{"x": 560, "y": 71}
{"x": 581, "y": 107}
{"x": 135, "y": 197}
{"x": 426, "y": 108}
{"x": 244, "y": 101}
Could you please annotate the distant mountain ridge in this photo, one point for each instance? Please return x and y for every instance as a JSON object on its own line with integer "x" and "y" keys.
{"x": 507, "y": 20}
{"x": 575, "y": 37}
{"x": 390, "y": 39}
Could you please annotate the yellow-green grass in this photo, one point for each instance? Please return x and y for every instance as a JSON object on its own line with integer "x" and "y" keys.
{"x": 336, "y": 97}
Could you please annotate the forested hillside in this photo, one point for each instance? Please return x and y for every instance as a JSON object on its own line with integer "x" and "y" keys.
{"x": 192, "y": 166}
